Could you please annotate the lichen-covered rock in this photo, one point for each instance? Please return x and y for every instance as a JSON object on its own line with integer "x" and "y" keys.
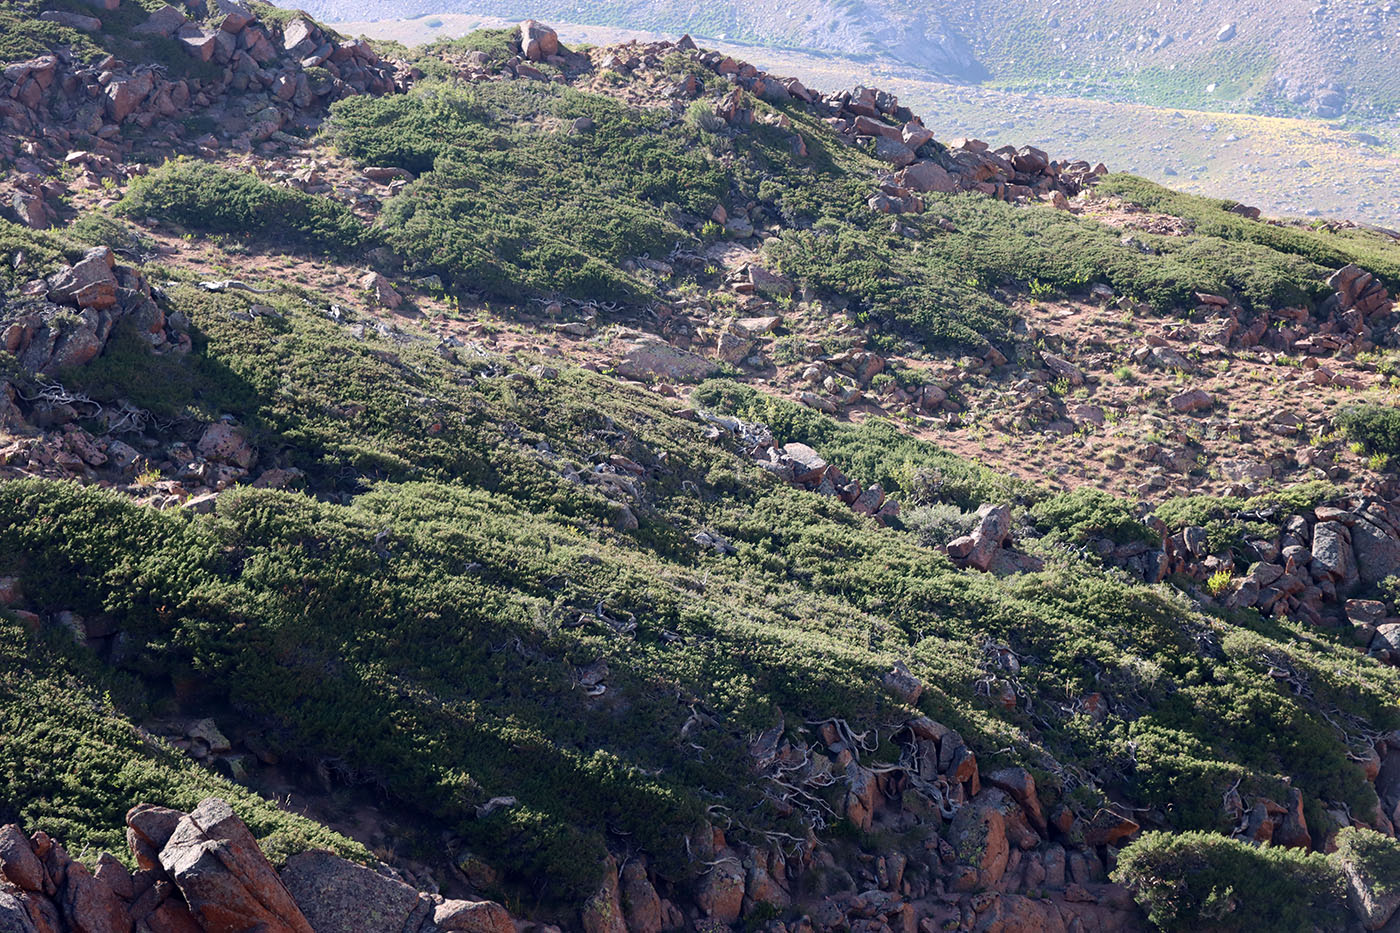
{"x": 337, "y": 896}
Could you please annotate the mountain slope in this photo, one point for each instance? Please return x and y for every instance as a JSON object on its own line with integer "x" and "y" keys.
{"x": 534, "y": 470}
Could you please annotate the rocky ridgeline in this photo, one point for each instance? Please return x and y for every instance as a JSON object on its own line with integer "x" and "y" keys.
{"x": 264, "y": 77}
{"x": 863, "y": 116}
{"x": 203, "y": 872}
{"x": 1355, "y": 318}
{"x": 875, "y": 120}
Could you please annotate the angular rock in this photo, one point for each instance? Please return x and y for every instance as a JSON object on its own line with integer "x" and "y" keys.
{"x": 1019, "y": 783}
{"x": 235, "y": 15}
{"x": 124, "y": 95}
{"x": 72, "y": 20}
{"x": 721, "y": 893}
{"x": 115, "y": 875}
{"x": 537, "y": 41}
{"x": 894, "y": 151}
{"x": 641, "y": 905}
{"x": 807, "y": 465}
{"x": 1387, "y": 638}
{"x": 163, "y": 22}
{"x": 1331, "y": 550}
{"x": 602, "y": 913}
{"x": 978, "y": 834}
{"x": 903, "y": 684}
{"x": 226, "y": 880}
{"x": 1293, "y": 830}
{"x": 91, "y": 283}
{"x": 18, "y": 863}
{"x": 915, "y": 135}
{"x": 336, "y": 895}
{"x": 13, "y": 917}
{"x": 1369, "y": 906}
{"x": 90, "y": 906}
{"x": 1108, "y": 828}
{"x": 148, "y": 829}
{"x": 381, "y": 290}
{"x": 296, "y": 32}
{"x": 1062, "y": 367}
{"x": 925, "y": 177}
{"x": 769, "y": 283}
{"x": 1365, "y": 611}
{"x": 1192, "y": 400}
{"x": 1377, "y": 552}
{"x": 993, "y": 525}
{"x": 200, "y": 45}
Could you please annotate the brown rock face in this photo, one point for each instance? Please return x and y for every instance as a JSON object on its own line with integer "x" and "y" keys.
{"x": 1107, "y": 828}
{"x": 13, "y": 917}
{"x": 721, "y": 894}
{"x": 641, "y": 906}
{"x": 18, "y": 863}
{"x": 603, "y": 911}
{"x": 926, "y": 176}
{"x": 650, "y": 358}
{"x": 227, "y": 882}
{"x": 337, "y": 896}
{"x": 978, "y": 833}
{"x": 148, "y": 829}
{"x": 538, "y": 41}
{"x": 89, "y": 284}
{"x": 1191, "y": 401}
{"x": 1021, "y": 786}
{"x": 90, "y": 906}
{"x": 226, "y": 444}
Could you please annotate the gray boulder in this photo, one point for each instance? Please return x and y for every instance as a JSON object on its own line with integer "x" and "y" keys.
{"x": 1377, "y": 552}
{"x": 13, "y": 917}
{"x": 652, "y": 358}
{"x": 337, "y": 896}
{"x": 1331, "y": 550}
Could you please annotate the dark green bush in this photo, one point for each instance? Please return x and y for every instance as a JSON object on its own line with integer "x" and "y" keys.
{"x": 1210, "y": 217}
{"x": 1374, "y": 858}
{"x": 1087, "y": 513}
{"x": 73, "y": 762}
{"x": 1203, "y": 881}
{"x": 1375, "y": 427}
{"x": 214, "y": 200}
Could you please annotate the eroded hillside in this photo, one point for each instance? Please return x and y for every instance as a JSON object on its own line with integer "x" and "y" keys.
{"x": 651, "y": 494}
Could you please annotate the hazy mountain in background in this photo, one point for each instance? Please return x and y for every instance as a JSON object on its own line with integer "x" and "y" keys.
{"x": 1289, "y": 57}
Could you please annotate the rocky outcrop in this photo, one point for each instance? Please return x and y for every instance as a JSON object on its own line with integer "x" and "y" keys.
{"x": 1356, "y": 318}
{"x": 652, "y": 358}
{"x": 258, "y": 78}
{"x": 802, "y": 466}
{"x": 65, "y": 320}
{"x": 203, "y": 872}
{"x": 225, "y": 880}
